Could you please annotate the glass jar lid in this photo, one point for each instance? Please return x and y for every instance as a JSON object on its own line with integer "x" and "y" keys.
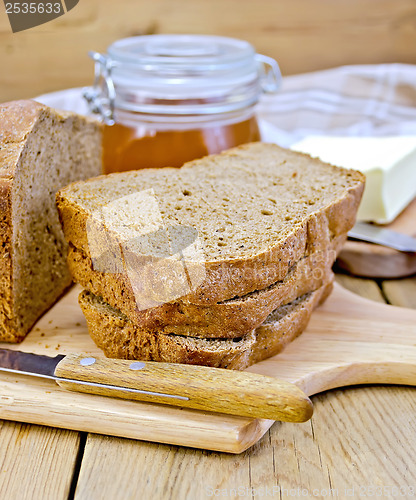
{"x": 180, "y": 75}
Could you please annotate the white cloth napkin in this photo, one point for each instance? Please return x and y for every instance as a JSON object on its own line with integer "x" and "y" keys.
{"x": 365, "y": 100}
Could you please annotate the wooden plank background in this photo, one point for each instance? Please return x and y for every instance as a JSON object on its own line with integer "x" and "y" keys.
{"x": 303, "y": 35}
{"x": 358, "y": 438}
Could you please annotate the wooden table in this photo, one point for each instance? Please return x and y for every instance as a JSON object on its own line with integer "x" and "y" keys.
{"x": 358, "y": 438}
{"x": 303, "y": 35}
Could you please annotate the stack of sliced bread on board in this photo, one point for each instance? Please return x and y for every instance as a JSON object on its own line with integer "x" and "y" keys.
{"x": 218, "y": 263}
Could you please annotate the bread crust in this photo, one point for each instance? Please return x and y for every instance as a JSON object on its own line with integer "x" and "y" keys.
{"x": 9, "y": 331}
{"x": 118, "y": 337}
{"x": 227, "y": 319}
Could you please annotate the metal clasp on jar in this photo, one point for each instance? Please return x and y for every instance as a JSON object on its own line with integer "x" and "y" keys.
{"x": 101, "y": 96}
{"x": 270, "y": 74}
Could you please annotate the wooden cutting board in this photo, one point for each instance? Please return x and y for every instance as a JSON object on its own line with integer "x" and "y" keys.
{"x": 350, "y": 340}
{"x": 375, "y": 261}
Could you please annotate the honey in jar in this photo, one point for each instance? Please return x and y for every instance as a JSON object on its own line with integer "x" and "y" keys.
{"x": 168, "y": 99}
{"x": 124, "y": 149}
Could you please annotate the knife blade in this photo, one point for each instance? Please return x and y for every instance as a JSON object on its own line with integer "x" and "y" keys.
{"x": 380, "y": 236}
{"x": 188, "y": 386}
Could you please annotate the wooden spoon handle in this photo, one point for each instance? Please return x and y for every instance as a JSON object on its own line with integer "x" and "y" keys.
{"x": 199, "y": 387}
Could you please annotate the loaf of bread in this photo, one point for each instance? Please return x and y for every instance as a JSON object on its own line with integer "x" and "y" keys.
{"x": 228, "y": 319}
{"x": 255, "y": 210}
{"x": 118, "y": 337}
{"x": 41, "y": 150}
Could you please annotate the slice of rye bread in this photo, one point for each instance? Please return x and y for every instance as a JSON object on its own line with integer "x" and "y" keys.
{"x": 41, "y": 150}
{"x": 228, "y": 319}
{"x": 118, "y": 337}
{"x": 257, "y": 209}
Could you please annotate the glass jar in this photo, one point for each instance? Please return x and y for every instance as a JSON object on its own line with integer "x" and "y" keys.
{"x": 167, "y": 99}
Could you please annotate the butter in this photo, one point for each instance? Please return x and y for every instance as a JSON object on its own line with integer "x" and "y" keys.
{"x": 389, "y": 164}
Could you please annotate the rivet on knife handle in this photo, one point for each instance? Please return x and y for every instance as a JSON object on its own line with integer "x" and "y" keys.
{"x": 198, "y": 387}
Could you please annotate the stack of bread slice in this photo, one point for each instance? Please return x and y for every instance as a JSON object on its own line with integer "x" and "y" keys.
{"x": 218, "y": 263}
